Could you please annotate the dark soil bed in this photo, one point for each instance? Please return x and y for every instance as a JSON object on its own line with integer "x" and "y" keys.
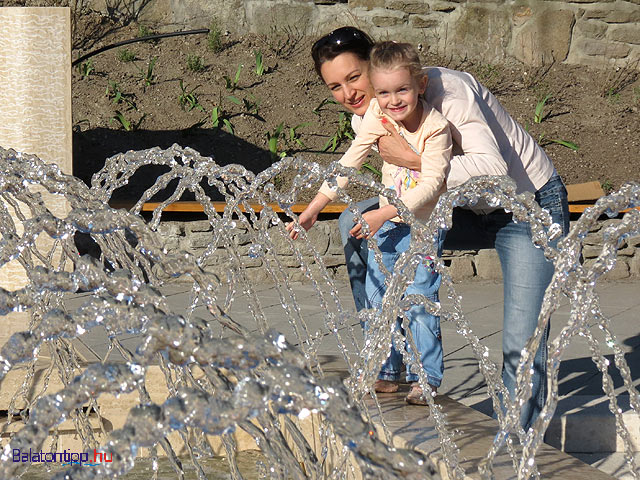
{"x": 598, "y": 110}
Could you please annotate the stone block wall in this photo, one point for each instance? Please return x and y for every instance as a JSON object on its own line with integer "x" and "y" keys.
{"x": 594, "y": 32}
{"x": 194, "y": 237}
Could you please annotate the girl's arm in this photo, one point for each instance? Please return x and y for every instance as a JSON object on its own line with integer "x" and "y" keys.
{"x": 354, "y": 157}
{"x": 310, "y": 214}
{"x": 371, "y": 129}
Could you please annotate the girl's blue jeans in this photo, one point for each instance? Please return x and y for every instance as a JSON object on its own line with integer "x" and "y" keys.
{"x": 526, "y": 275}
{"x": 393, "y": 239}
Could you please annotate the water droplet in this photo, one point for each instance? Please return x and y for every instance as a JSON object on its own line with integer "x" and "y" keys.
{"x": 255, "y": 251}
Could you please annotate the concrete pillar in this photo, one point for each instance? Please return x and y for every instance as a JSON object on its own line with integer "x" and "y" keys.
{"x": 35, "y": 100}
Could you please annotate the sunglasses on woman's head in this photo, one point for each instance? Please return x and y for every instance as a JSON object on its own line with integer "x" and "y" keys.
{"x": 343, "y": 36}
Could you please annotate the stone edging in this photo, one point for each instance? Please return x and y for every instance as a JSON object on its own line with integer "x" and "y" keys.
{"x": 195, "y": 236}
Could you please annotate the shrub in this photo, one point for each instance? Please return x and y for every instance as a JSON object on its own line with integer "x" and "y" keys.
{"x": 214, "y": 38}
{"x": 126, "y": 55}
{"x": 195, "y": 63}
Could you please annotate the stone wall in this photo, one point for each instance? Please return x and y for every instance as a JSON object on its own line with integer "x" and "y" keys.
{"x": 594, "y": 32}
{"x": 195, "y": 236}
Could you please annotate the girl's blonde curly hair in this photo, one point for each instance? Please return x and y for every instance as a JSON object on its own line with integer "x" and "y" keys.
{"x": 391, "y": 55}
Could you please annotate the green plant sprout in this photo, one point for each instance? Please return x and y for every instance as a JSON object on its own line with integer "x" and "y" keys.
{"x": 343, "y": 131}
{"x": 86, "y": 68}
{"x": 372, "y": 169}
{"x": 117, "y": 96}
{"x": 294, "y": 135}
{"x": 543, "y": 141}
{"x": 232, "y": 85}
{"x": 607, "y": 186}
{"x": 216, "y": 116}
{"x": 539, "y": 115}
{"x": 273, "y": 139}
{"x": 125, "y": 55}
{"x": 125, "y": 122}
{"x": 147, "y": 76}
{"x": 260, "y": 70}
{"x": 195, "y": 63}
{"x": 613, "y": 97}
{"x": 220, "y": 117}
{"x": 250, "y": 104}
{"x": 290, "y": 138}
{"x": 234, "y": 99}
{"x": 214, "y": 37}
{"x": 144, "y": 31}
{"x": 326, "y": 101}
{"x": 188, "y": 99}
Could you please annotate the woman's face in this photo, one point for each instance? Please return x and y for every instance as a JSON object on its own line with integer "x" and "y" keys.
{"x": 346, "y": 76}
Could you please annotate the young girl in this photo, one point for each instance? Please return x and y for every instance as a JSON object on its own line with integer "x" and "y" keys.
{"x": 398, "y": 83}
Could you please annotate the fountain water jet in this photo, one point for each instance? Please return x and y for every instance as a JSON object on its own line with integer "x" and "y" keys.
{"x": 219, "y": 375}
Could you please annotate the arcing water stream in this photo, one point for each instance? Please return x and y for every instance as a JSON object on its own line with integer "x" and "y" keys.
{"x": 221, "y": 377}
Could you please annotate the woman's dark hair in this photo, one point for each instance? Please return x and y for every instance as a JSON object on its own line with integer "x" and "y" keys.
{"x": 344, "y": 39}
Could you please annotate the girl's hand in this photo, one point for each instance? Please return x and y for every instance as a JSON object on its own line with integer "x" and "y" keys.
{"x": 395, "y": 150}
{"x": 375, "y": 219}
{"x": 309, "y": 216}
{"x": 306, "y": 219}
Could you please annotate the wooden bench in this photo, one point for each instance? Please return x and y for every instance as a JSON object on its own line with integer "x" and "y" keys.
{"x": 196, "y": 207}
{"x": 581, "y": 196}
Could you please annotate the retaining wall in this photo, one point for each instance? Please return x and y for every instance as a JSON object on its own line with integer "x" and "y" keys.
{"x": 593, "y": 32}
{"x": 194, "y": 237}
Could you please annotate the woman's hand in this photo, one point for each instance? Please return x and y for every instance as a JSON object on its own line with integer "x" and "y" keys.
{"x": 375, "y": 219}
{"x": 395, "y": 150}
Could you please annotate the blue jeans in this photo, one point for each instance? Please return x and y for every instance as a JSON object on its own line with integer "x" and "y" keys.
{"x": 393, "y": 239}
{"x": 526, "y": 275}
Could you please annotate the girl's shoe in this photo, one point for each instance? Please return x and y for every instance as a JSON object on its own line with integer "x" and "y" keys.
{"x": 385, "y": 386}
{"x": 416, "y": 396}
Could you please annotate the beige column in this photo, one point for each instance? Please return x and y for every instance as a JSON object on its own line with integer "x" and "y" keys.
{"x": 35, "y": 99}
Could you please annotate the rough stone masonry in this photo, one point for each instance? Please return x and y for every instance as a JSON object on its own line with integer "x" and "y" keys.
{"x": 195, "y": 236}
{"x": 588, "y": 32}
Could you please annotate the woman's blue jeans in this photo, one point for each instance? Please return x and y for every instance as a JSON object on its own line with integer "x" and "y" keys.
{"x": 393, "y": 239}
{"x": 526, "y": 275}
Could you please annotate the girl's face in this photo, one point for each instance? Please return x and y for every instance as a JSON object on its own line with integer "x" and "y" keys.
{"x": 398, "y": 93}
{"x": 346, "y": 76}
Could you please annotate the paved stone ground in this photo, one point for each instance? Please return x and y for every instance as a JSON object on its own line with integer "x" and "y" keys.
{"x": 583, "y": 425}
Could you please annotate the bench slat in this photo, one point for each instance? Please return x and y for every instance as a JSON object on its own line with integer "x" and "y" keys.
{"x": 196, "y": 207}
{"x": 581, "y": 192}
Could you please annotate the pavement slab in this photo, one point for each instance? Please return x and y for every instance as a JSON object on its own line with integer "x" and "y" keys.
{"x": 581, "y": 404}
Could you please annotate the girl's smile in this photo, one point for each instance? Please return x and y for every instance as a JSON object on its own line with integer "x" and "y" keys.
{"x": 398, "y": 94}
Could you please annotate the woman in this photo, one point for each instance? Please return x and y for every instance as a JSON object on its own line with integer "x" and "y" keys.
{"x": 487, "y": 141}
